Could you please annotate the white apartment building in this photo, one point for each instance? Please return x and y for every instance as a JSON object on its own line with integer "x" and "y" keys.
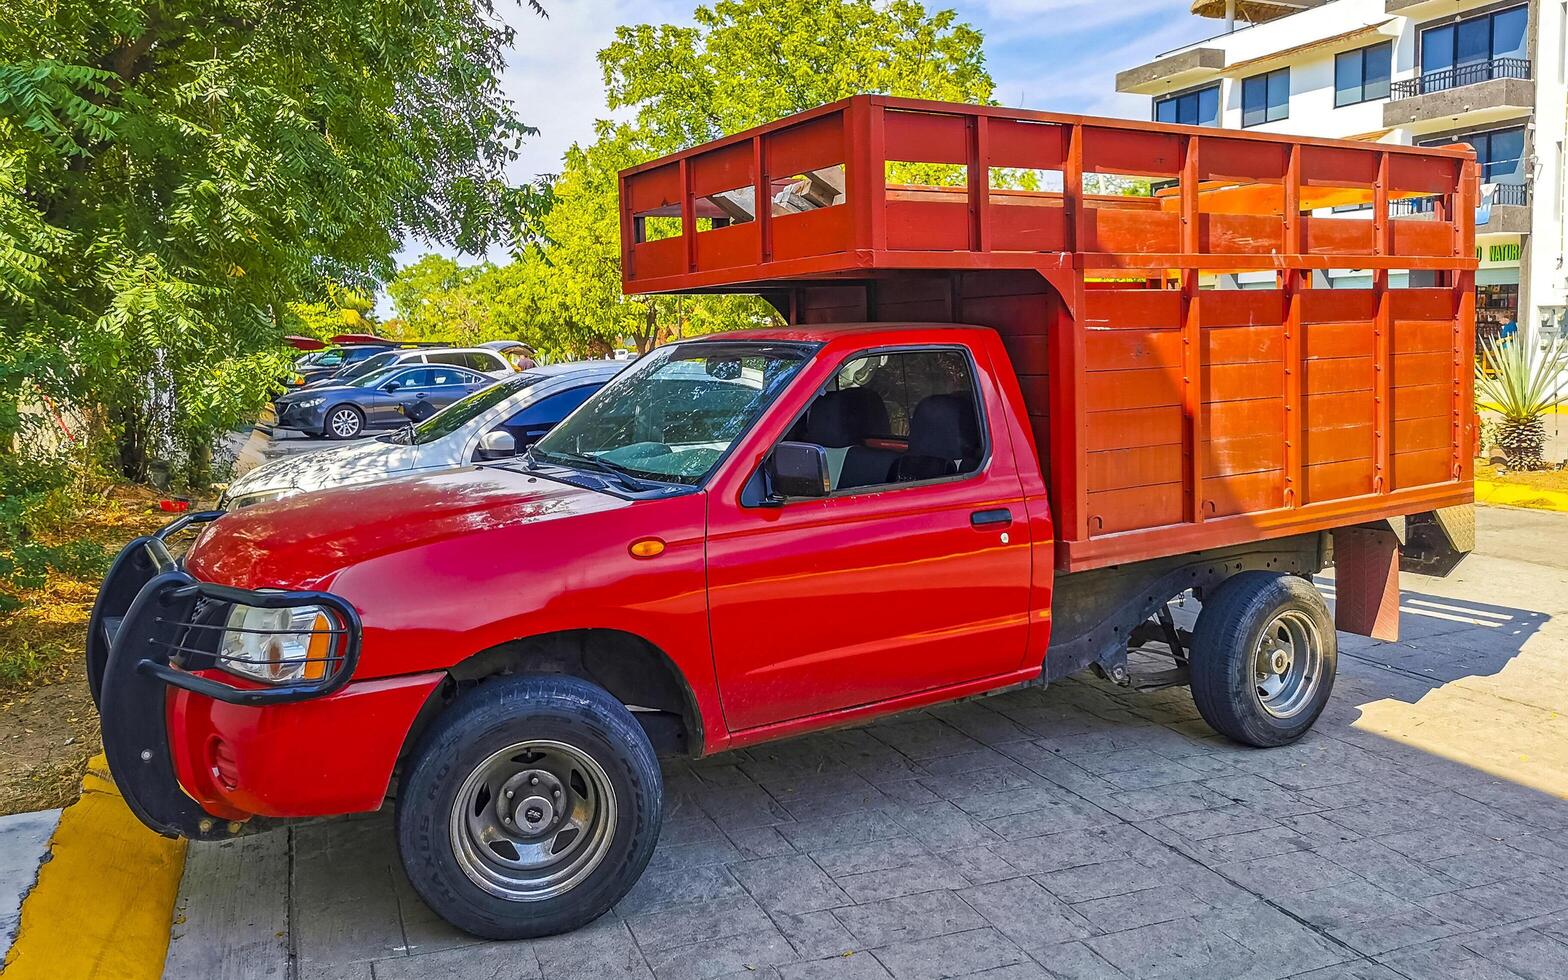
{"x": 1410, "y": 72}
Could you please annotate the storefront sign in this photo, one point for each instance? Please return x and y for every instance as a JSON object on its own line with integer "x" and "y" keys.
{"x": 1504, "y": 251}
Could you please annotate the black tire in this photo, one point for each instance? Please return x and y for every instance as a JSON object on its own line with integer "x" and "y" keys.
{"x": 349, "y": 413}
{"x": 488, "y": 723}
{"x": 1227, "y": 647}
{"x": 315, "y": 435}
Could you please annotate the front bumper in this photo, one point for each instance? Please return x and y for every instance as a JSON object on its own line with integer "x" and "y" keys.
{"x": 154, "y": 628}
{"x": 294, "y": 416}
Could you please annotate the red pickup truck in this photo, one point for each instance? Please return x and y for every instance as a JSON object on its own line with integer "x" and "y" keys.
{"x": 1003, "y": 425}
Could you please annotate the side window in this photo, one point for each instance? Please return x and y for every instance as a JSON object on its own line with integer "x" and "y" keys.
{"x": 414, "y": 379}
{"x": 448, "y": 376}
{"x": 897, "y": 417}
{"x": 446, "y": 357}
{"x": 549, "y": 410}
{"x": 482, "y": 361}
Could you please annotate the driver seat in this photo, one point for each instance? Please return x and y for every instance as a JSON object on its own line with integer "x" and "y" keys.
{"x": 840, "y": 422}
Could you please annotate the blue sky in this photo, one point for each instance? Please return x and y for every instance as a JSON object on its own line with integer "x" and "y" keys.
{"x": 1061, "y": 55}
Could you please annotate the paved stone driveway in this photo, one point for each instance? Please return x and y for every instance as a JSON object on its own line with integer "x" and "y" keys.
{"x": 1080, "y": 831}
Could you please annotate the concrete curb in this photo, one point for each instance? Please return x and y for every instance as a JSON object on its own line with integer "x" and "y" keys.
{"x": 105, "y": 897}
{"x": 1515, "y": 495}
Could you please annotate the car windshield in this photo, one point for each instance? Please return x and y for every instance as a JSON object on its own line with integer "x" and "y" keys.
{"x": 379, "y": 362}
{"x": 465, "y": 410}
{"x": 674, "y": 414}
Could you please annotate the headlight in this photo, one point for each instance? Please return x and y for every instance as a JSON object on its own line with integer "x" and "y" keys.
{"x": 252, "y": 499}
{"x": 311, "y": 402}
{"x": 278, "y": 646}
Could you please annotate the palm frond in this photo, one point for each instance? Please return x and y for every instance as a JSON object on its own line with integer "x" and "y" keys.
{"x": 1524, "y": 382}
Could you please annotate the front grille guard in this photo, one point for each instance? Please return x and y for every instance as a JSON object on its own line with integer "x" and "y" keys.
{"x": 179, "y": 629}
{"x": 152, "y": 627}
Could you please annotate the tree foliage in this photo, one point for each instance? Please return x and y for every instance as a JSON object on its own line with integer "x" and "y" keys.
{"x": 740, "y": 64}
{"x": 183, "y": 181}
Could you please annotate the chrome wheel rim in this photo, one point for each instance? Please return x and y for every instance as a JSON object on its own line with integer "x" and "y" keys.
{"x": 1287, "y": 666}
{"x": 344, "y": 422}
{"x": 533, "y": 820}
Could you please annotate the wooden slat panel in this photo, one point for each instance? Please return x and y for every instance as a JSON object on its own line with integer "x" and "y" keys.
{"x": 1111, "y": 350}
{"x": 1421, "y": 369}
{"x": 1243, "y": 307}
{"x": 1030, "y": 353}
{"x": 1111, "y": 511}
{"x": 1337, "y": 305}
{"x": 1118, "y": 469}
{"x": 721, "y": 248}
{"x": 1423, "y": 303}
{"x": 1107, "y": 391}
{"x": 1132, "y": 308}
{"x": 1240, "y": 234}
{"x": 1328, "y": 411}
{"x": 1027, "y": 229}
{"x": 811, "y": 232}
{"x": 665, "y": 257}
{"x": 1415, "y": 435}
{"x": 1119, "y": 230}
{"x": 1247, "y": 453}
{"x": 1332, "y": 444}
{"x": 1241, "y": 345}
{"x": 1238, "y": 419}
{"x": 1236, "y": 382}
{"x": 924, "y": 137}
{"x": 1037, "y": 393}
{"x": 1224, "y": 496}
{"x": 1422, "y": 401}
{"x": 1330, "y": 375}
{"x": 1324, "y": 340}
{"x": 1135, "y": 427}
{"x": 925, "y": 225}
{"x": 1415, "y": 237}
{"x": 1417, "y": 336}
{"x": 1338, "y": 236}
{"x": 1416, "y": 469}
{"x": 1333, "y": 481}
{"x": 1027, "y": 145}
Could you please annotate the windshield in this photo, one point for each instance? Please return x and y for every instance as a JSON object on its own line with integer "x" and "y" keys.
{"x": 675, "y": 413}
{"x": 464, "y": 410}
{"x": 379, "y": 362}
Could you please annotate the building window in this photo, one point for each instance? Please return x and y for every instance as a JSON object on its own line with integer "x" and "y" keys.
{"x": 1500, "y": 154}
{"x": 1265, "y": 98}
{"x": 1476, "y": 49}
{"x": 1362, "y": 75}
{"x": 1197, "y": 108}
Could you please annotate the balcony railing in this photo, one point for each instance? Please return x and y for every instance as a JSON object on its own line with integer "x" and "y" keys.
{"x": 1459, "y": 76}
{"x": 1514, "y": 194}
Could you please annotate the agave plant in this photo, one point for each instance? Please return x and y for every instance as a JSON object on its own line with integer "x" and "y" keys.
{"x": 1523, "y": 384}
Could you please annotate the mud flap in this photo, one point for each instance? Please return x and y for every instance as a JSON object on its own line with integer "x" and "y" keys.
{"x": 1366, "y": 581}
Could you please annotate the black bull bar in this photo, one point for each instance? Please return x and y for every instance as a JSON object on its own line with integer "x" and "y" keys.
{"x": 151, "y": 627}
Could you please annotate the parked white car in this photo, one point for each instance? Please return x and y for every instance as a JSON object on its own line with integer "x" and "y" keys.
{"x": 498, "y": 421}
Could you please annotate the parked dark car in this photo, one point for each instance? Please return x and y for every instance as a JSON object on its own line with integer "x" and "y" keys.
{"x": 321, "y": 364}
{"x": 384, "y": 400}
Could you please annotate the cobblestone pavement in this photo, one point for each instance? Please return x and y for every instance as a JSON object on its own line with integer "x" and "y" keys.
{"x": 1079, "y": 831}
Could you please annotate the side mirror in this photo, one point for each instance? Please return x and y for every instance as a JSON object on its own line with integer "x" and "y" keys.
{"x": 497, "y": 444}
{"x": 799, "y": 469}
{"x": 391, "y": 387}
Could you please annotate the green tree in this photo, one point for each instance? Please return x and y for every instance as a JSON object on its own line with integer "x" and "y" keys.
{"x": 742, "y": 63}
{"x": 180, "y": 178}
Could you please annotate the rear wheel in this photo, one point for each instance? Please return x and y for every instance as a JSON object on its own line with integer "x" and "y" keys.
{"x": 530, "y": 807}
{"x": 1264, "y": 658}
{"x": 344, "y": 422}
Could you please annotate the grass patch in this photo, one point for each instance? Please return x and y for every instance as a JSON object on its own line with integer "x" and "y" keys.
{"x": 1548, "y": 479}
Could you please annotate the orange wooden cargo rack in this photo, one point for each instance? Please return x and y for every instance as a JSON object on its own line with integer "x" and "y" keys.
{"x": 1190, "y": 417}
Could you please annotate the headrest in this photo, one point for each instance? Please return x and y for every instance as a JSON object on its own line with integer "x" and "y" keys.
{"x": 846, "y": 418}
{"x": 945, "y": 426}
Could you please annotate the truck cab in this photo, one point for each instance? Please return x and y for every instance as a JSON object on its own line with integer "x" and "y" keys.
{"x": 948, "y": 469}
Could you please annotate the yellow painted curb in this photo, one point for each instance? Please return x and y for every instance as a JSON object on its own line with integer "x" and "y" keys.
{"x": 1516, "y": 495}
{"x": 104, "y": 901}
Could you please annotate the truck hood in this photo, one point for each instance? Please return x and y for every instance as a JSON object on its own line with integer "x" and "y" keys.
{"x": 356, "y": 463}
{"x": 301, "y": 542}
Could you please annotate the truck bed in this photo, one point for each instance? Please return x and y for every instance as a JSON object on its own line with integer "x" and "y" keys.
{"x": 1168, "y": 416}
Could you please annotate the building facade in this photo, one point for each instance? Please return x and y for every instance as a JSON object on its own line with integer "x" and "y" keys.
{"x": 1427, "y": 72}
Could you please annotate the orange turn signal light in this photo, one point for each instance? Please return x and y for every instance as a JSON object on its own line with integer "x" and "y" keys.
{"x": 646, "y": 548}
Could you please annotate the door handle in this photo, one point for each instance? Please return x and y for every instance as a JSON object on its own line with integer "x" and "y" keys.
{"x": 999, "y": 517}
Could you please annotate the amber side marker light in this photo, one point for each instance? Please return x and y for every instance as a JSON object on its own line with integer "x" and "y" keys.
{"x": 646, "y": 548}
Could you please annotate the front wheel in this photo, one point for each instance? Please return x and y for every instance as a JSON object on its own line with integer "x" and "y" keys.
{"x": 1264, "y": 656}
{"x": 344, "y": 422}
{"x": 530, "y": 807}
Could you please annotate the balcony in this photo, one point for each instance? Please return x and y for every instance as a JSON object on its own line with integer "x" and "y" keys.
{"x": 1510, "y": 210}
{"x": 1172, "y": 72}
{"x": 1480, "y": 92}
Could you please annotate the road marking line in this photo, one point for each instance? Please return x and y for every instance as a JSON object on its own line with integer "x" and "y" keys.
{"x": 104, "y": 901}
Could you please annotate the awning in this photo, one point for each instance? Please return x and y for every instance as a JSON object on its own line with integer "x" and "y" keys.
{"x": 1346, "y": 41}
{"x": 1254, "y": 11}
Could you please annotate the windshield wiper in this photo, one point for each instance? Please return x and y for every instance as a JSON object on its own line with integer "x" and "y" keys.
{"x": 594, "y": 464}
